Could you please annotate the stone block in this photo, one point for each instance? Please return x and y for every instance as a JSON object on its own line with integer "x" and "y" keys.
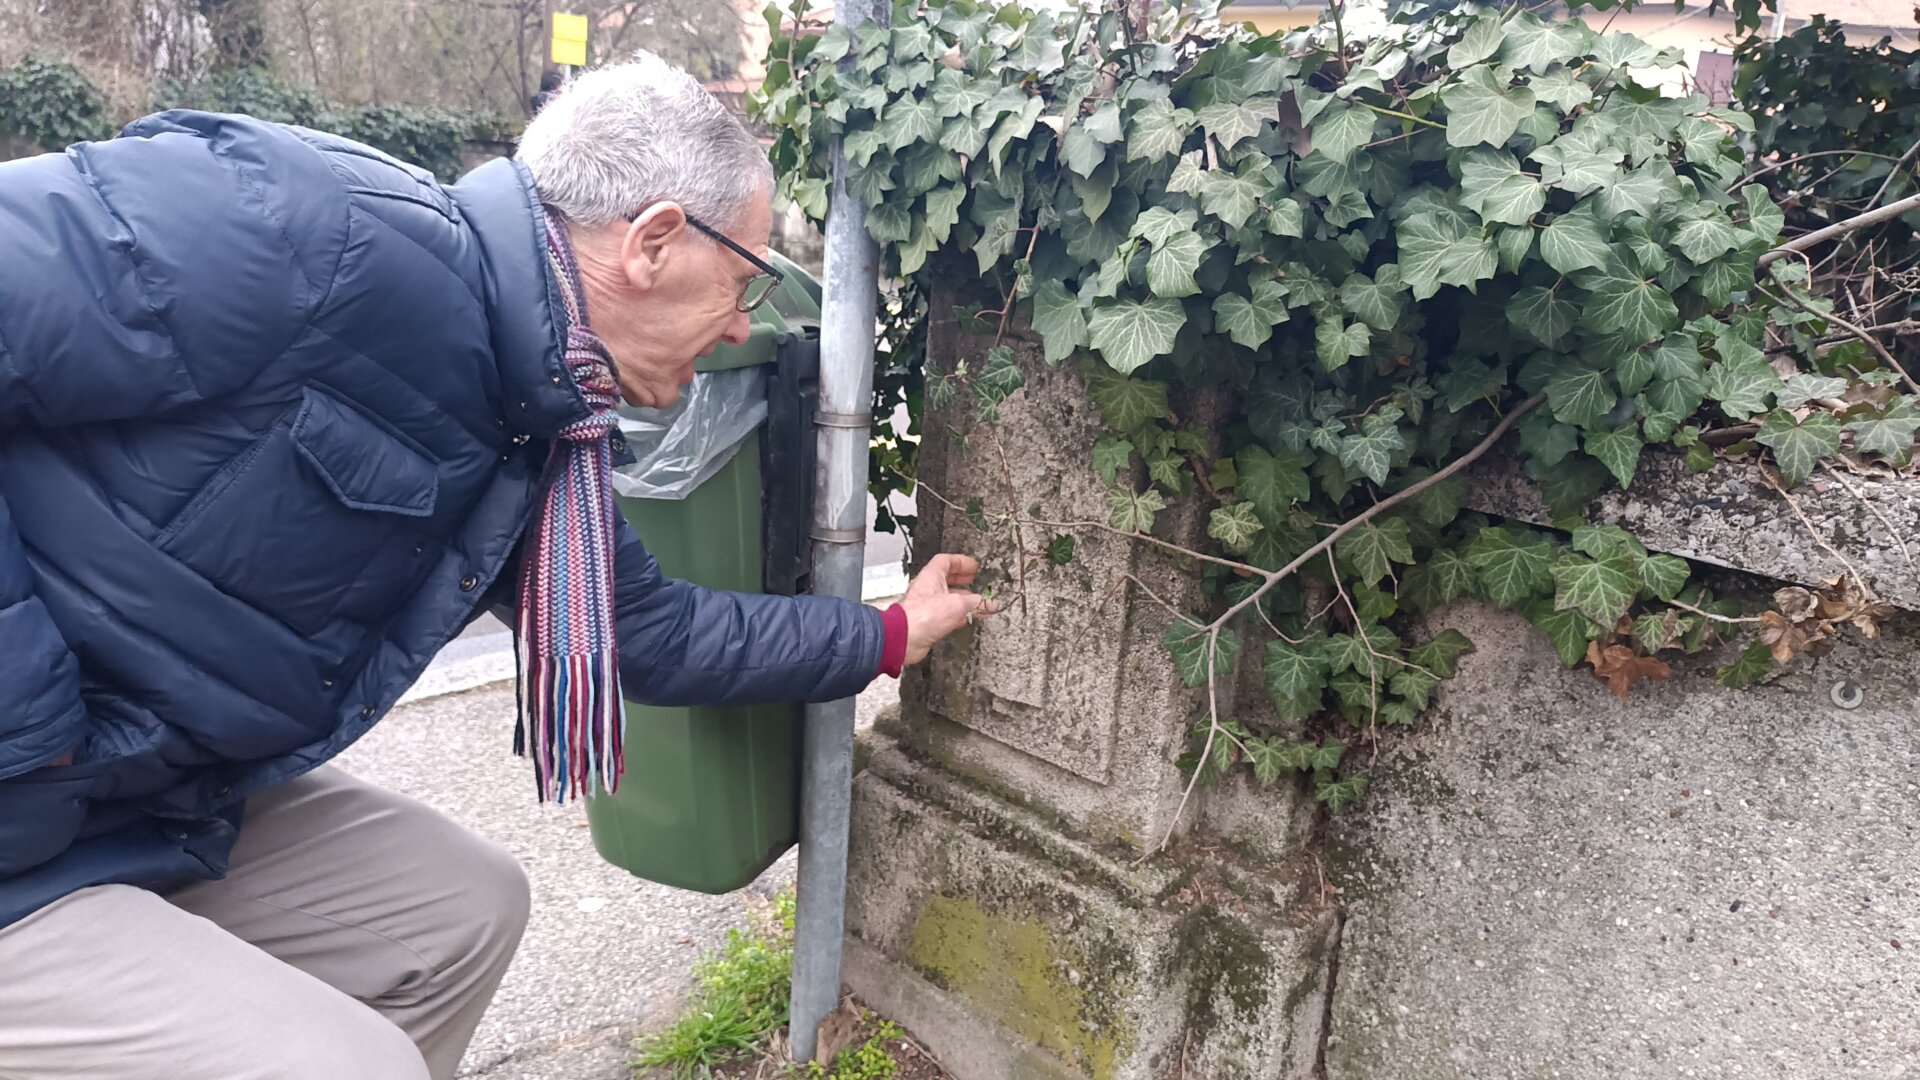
{"x": 1068, "y": 701}
{"x": 1697, "y": 883}
{"x": 1019, "y": 953}
{"x": 1730, "y": 518}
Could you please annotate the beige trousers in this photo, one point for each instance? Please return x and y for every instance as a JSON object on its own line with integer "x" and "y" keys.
{"x": 358, "y": 936}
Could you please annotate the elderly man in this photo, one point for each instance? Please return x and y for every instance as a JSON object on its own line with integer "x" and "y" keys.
{"x": 278, "y": 417}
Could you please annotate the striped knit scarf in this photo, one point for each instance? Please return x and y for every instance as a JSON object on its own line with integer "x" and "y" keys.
{"x": 569, "y": 664}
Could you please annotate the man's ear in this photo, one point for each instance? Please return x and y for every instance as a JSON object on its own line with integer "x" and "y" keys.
{"x": 650, "y": 243}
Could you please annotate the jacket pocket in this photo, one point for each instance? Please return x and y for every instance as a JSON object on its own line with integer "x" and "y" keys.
{"x": 323, "y": 517}
{"x": 41, "y": 813}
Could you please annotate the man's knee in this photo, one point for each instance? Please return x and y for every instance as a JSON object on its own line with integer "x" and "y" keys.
{"x": 496, "y": 900}
{"x": 371, "y": 1049}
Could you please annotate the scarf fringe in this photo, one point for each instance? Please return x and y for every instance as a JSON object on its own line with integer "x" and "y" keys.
{"x": 571, "y": 719}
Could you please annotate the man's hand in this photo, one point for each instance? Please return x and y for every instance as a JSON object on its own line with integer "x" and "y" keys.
{"x": 938, "y": 603}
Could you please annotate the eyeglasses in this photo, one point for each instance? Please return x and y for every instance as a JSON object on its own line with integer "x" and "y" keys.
{"x": 758, "y": 287}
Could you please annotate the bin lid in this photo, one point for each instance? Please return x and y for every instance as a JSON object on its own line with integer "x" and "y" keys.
{"x": 795, "y": 302}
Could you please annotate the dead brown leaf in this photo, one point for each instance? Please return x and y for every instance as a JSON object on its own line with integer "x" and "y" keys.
{"x": 1620, "y": 667}
{"x": 838, "y": 1031}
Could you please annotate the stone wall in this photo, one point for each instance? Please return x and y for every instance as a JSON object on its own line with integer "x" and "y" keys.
{"x": 1542, "y": 881}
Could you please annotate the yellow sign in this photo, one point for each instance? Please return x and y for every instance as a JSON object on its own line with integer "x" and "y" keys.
{"x": 570, "y": 40}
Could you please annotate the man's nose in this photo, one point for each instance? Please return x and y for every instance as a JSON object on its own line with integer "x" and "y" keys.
{"x": 739, "y": 329}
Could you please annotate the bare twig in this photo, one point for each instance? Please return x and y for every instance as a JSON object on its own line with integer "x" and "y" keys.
{"x": 1841, "y": 228}
{"x": 1019, "y": 538}
{"x": 1766, "y": 475}
{"x": 1872, "y": 509}
{"x": 1710, "y": 616}
{"x": 1894, "y": 174}
{"x": 1798, "y": 158}
{"x": 1857, "y": 331}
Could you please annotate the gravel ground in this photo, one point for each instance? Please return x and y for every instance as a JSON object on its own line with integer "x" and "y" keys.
{"x": 606, "y": 955}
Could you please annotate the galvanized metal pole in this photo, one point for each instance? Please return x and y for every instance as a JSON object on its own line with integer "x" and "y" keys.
{"x": 839, "y": 552}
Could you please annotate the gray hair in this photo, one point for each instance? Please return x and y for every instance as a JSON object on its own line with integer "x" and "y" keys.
{"x": 619, "y": 139}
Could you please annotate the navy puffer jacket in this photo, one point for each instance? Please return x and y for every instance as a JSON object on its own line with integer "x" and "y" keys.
{"x": 273, "y": 411}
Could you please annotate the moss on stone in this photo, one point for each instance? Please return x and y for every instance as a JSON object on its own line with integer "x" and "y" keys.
{"x": 1012, "y": 970}
{"x": 1226, "y": 959}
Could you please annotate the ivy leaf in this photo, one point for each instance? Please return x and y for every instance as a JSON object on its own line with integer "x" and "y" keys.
{"x": 1128, "y": 333}
{"x": 1080, "y": 151}
{"x": 1111, "y": 455}
{"x": 1479, "y": 110}
{"x": 1133, "y": 511}
{"x": 1250, "y": 322}
{"x": 889, "y": 223}
{"x": 1600, "y": 589}
{"x": 1806, "y": 387}
{"x": 1157, "y": 224}
{"x": 941, "y": 388}
{"x": 1189, "y": 646}
{"x": 1060, "y": 551}
{"x": 1414, "y": 685}
{"x": 1492, "y": 185}
{"x": 1327, "y": 755}
{"x": 1342, "y": 129}
{"x": 1336, "y": 344}
{"x": 1890, "y": 436}
{"x": 1124, "y": 402}
{"x": 1545, "y": 317}
{"x": 1481, "y": 40}
{"x": 1234, "y": 196}
{"x": 1058, "y": 320}
{"x": 1366, "y": 651}
{"x": 1799, "y": 446}
{"x": 1570, "y": 631}
{"x": 1513, "y": 567}
{"x": 1664, "y": 575}
{"x": 1561, "y": 88}
{"x": 1704, "y": 239}
{"x": 1640, "y": 191}
{"x": 1445, "y": 576}
{"x": 1442, "y": 655}
{"x": 1437, "y": 248}
{"x": 1376, "y": 300}
{"x": 1742, "y": 383}
{"x": 1167, "y": 469}
{"x": 1271, "y": 483}
{"x": 1622, "y": 303}
{"x": 1189, "y": 176}
{"x": 1534, "y": 45}
{"x": 1570, "y": 167}
{"x": 1750, "y": 668}
{"x": 908, "y": 120}
{"x": 1001, "y": 376}
{"x": 1232, "y": 121}
{"x": 1171, "y": 264}
{"x": 1764, "y": 219}
{"x": 1618, "y": 449}
{"x": 1294, "y": 672}
{"x": 1285, "y": 219}
{"x": 860, "y": 146}
{"x": 1371, "y": 549}
{"x": 1234, "y": 526}
{"x": 1157, "y": 131}
{"x": 1340, "y": 794}
{"x": 1370, "y": 453}
{"x": 1580, "y": 396}
{"x": 943, "y": 211}
{"x": 1574, "y": 242}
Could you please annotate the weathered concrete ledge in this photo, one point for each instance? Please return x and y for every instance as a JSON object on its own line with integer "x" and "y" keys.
{"x": 1729, "y": 517}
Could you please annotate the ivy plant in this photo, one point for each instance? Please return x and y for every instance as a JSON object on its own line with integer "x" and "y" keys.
{"x": 1389, "y": 245}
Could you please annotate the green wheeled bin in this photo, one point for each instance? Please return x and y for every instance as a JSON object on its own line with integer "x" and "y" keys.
{"x": 711, "y": 796}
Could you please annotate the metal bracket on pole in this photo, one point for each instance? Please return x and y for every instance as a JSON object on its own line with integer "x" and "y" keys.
{"x": 838, "y": 529}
